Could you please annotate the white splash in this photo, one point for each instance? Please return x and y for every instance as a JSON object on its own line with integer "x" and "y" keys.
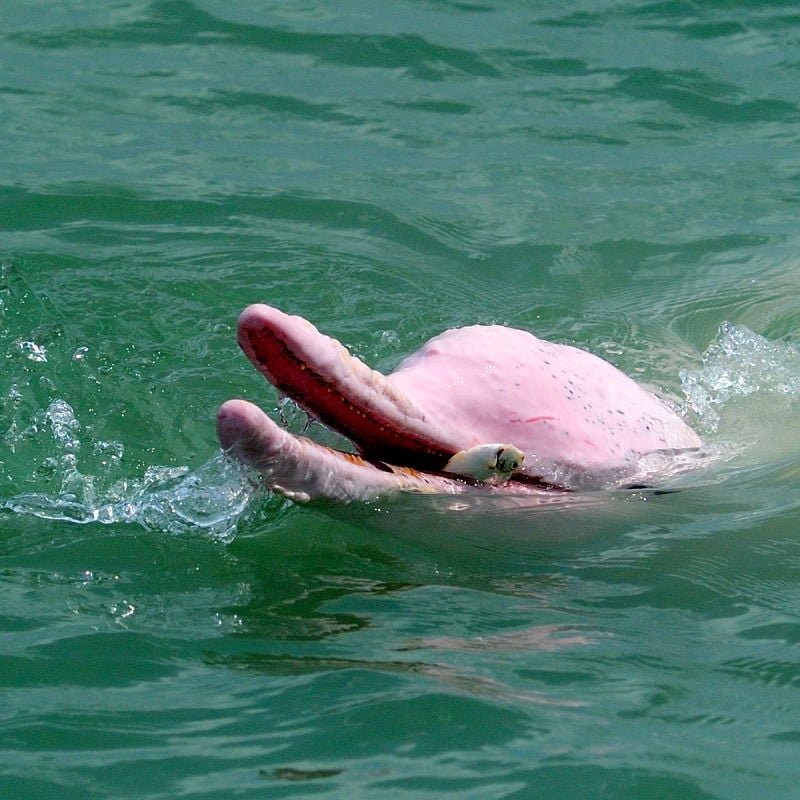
{"x": 33, "y": 351}
{"x": 212, "y": 498}
{"x": 739, "y": 364}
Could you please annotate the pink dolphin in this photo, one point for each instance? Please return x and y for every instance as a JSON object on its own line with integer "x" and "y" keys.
{"x": 578, "y": 421}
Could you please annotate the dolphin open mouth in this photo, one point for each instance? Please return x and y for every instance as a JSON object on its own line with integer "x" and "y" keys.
{"x": 400, "y": 450}
{"x": 338, "y": 389}
{"x": 570, "y": 419}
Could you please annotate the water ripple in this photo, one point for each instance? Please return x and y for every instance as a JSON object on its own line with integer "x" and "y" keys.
{"x": 173, "y": 22}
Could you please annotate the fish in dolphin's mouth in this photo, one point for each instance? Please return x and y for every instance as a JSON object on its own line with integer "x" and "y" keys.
{"x": 480, "y": 404}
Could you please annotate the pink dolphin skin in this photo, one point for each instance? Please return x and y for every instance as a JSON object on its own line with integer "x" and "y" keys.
{"x": 580, "y": 421}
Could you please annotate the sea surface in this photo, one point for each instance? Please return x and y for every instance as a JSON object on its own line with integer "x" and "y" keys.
{"x": 622, "y": 175}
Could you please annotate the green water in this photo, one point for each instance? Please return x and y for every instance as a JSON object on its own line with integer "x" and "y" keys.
{"x": 624, "y": 176}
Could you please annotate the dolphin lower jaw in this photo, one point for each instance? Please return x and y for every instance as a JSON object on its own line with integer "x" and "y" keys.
{"x": 304, "y": 470}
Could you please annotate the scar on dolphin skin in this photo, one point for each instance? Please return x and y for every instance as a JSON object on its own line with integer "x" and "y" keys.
{"x": 441, "y": 403}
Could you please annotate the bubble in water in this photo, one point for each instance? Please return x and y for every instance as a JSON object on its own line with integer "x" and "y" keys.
{"x": 33, "y": 351}
{"x": 109, "y": 452}
{"x": 389, "y": 338}
{"x": 65, "y": 425}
